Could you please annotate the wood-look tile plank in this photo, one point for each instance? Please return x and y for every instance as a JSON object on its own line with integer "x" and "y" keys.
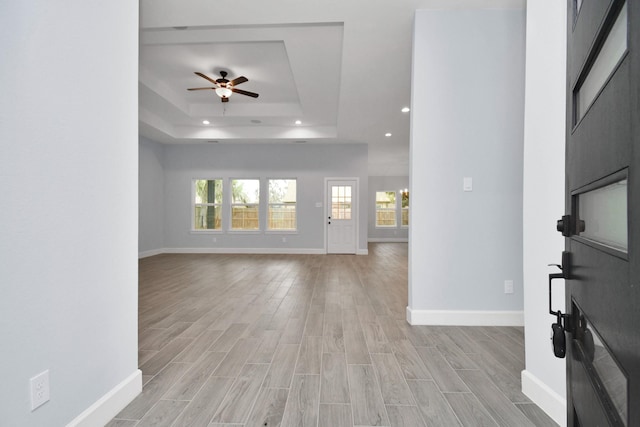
{"x": 121, "y": 423}
{"x": 293, "y": 330}
{"x": 469, "y": 410}
{"x": 269, "y": 408}
{"x": 155, "y": 339}
{"x": 413, "y": 368}
{"x": 236, "y": 357}
{"x": 266, "y": 348}
{"x": 158, "y": 361}
{"x": 205, "y": 403}
{"x": 366, "y": 400}
{"x": 163, "y": 414}
{"x": 191, "y": 382}
{"x": 443, "y": 374}
{"x": 453, "y": 354}
{"x": 196, "y": 349}
{"x": 315, "y": 324}
{"x": 404, "y": 416}
{"x": 495, "y": 402}
{"x": 432, "y": 405}
{"x": 334, "y": 385}
{"x": 281, "y": 370}
{"x": 228, "y": 339}
{"x": 536, "y": 415}
{"x": 355, "y": 347}
{"x": 392, "y": 384}
{"x": 302, "y": 403}
{"x": 375, "y": 338}
{"x": 333, "y": 336}
{"x": 240, "y": 399}
{"x": 509, "y": 384}
{"x": 310, "y": 358}
{"x": 334, "y": 415}
{"x": 153, "y": 391}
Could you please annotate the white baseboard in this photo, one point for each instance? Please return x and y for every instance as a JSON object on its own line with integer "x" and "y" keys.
{"x": 145, "y": 254}
{"x": 388, "y": 240}
{"x": 465, "y": 317}
{"x": 362, "y": 252}
{"x": 109, "y": 405}
{"x": 548, "y": 400}
{"x": 284, "y": 251}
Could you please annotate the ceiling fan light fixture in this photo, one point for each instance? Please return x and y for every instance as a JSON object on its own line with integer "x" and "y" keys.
{"x": 223, "y": 92}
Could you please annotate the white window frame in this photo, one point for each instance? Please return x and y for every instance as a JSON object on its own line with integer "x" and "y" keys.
{"x": 395, "y": 210}
{"x": 257, "y": 205}
{"x": 269, "y": 204}
{"x": 403, "y": 209}
{"x": 215, "y": 205}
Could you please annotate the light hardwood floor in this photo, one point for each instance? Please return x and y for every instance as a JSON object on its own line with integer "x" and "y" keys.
{"x": 312, "y": 340}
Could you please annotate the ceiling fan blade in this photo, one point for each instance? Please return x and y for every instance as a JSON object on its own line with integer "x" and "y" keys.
{"x": 206, "y": 78}
{"x": 244, "y": 92}
{"x": 238, "y": 80}
{"x": 202, "y": 88}
{"x": 224, "y": 99}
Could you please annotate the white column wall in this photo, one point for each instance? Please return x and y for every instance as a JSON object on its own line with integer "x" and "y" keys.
{"x": 544, "y": 187}
{"x": 68, "y": 223}
{"x": 467, "y": 121}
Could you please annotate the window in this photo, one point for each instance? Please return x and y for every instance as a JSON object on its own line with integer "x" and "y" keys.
{"x": 341, "y": 202}
{"x": 245, "y": 204}
{"x": 385, "y": 208}
{"x": 282, "y": 204}
{"x": 207, "y": 207}
{"x": 405, "y": 207}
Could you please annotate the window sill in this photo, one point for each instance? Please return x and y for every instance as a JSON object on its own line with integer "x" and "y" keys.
{"x": 281, "y": 232}
{"x": 206, "y": 232}
{"x": 244, "y": 231}
{"x": 386, "y": 227}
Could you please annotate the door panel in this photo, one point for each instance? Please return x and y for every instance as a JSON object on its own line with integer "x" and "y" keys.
{"x": 342, "y": 216}
{"x": 603, "y": 285}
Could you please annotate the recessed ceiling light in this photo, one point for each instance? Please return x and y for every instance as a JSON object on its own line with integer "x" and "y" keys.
{"x": 388, "y": 134}
{"x": 298, "y": 122}
{"x": 405, "y": 109}
{"x": 205, "y": 122}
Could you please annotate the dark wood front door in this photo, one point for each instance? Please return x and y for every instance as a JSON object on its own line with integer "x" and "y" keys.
{"x": 603, "y": 200}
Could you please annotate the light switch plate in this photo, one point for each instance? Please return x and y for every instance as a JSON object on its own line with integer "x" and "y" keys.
{"x": 467, "y": 183}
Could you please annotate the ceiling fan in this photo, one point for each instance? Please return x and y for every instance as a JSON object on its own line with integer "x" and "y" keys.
{"x": 224, "y": 88}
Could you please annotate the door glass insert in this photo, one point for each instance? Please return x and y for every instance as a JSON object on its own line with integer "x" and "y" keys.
{"x": 604, "y": 212}
{"x": 341, "y": 202}
{"x": 608, "y": 371}
{"x": 607, "y": 59}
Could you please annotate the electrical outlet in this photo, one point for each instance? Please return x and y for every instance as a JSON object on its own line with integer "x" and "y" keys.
{"x": 39, "y": 389}
{"x": 215, "y": 239}
{"x": 508, "y": 286}
{"x": 284, "y": 240}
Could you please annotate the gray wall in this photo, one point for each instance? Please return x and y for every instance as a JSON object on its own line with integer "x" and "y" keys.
{"x": 151, "y": 197}
{"x": 68, "y": 227}
{"x": 386, "y": 183}
{"x": 309, "y": 163}
{"x": 467, "y": 121}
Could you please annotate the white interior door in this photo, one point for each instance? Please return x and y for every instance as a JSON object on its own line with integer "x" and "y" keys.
{"x": 342, "y": 216}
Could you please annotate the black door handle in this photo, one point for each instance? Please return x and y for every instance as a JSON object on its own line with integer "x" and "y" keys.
{"x": 558, "y": 338}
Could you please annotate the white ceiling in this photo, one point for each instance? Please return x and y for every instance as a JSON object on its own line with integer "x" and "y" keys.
{"x": 341, "y": 67}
